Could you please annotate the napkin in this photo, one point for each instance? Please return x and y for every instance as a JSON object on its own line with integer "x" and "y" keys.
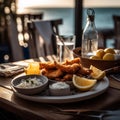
{"x": 10, "y": 69}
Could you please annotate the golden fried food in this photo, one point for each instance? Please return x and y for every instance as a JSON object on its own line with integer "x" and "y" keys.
{"x": 84, "y": 71}
{"x": 43, "y": 71}
{"x": 63, "y": 71}
{"x": 68, "y": 68}
{"x": 70, "y": 62}
{"x": 47, "y": 65}
{"x": 67, "y": 77}
{"x": 52, "y": 74}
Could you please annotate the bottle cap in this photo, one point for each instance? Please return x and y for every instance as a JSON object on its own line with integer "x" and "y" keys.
{"x": 90, "y": 14}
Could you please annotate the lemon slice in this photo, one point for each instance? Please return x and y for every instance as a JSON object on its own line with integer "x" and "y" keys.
{"x": 33, "y": 68}
{"x": 83, "y": 84}
{"x": 97, "y": 73}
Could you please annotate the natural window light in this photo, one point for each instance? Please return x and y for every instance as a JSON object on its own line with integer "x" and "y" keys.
{"x": 45, "y": 3}
{"x": 24, "y": 4}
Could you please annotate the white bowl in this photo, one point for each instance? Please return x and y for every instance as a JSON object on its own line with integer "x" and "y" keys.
{"x": 59, "y": 89}
{"x": 31, "y": 90}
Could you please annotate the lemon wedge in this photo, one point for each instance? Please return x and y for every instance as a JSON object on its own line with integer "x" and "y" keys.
{"x": 100, "y": 53}
{"x": 83, "y": 84}
{"x": 97, "y": 73}
{"x": 109, "y": 56}
{"x": 109, "y": 50}
{"x": 33, "y": 68}
{"x": 94, "y": 57}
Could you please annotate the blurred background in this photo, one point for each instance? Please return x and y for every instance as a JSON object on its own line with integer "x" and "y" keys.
{"x": 51, "y": 9}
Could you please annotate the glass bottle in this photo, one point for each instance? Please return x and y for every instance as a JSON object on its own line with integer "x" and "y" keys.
{"x": 89, "y": 36}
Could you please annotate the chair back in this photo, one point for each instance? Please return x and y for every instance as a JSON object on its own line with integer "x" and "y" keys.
{"x": 116, "y": 20}
{"x": 17, "y": 30}
{"x": 16, "y": 52}
{"x": 43, "y": 40}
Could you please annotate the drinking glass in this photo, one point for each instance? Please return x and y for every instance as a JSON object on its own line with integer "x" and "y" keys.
{"x": 65, "y": 46}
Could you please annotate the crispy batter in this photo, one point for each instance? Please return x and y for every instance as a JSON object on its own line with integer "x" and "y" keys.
{"x": 63, "y": 71}
{"x": 70, "y": 62}
{"x": 43, "y": 71}
{"x": 84, "y": 71}
{"x": 67, "y": 77}
{"x": 47, "y": 65}
{"x": 52, "y": 74}
{"x": 68, "y": 68}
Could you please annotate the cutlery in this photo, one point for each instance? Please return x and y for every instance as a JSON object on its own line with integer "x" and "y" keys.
{"x": 116, "y": 76}
{"x": 89, "y": 114}
{"x": 112, "y": 70}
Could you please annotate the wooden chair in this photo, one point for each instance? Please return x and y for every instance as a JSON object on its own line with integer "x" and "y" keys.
{"x": 16, "y": 45}
{"x": 43, "y": 40}
{"x": 104, "y": 36}
{"x": 22, "y": 20}
{"x": 116, "y": 20}
{"x": 15, "y": 48}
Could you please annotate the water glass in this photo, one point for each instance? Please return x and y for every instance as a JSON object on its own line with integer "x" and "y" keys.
{"x": 65, "y": 46}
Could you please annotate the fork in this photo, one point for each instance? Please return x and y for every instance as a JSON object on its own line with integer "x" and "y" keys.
{"x": 96, "y": 114}
{"x": 89, "y": 114}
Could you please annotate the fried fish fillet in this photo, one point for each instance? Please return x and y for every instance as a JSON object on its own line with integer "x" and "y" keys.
{"x": 52, "y": 74}
{"x": 67, "y": 77}
{"x": 83, "y": 71}
{"x": 63, "y": 71}
{"x": 70, "y": 62}
{"x": 47, "y": 65}
{"x": 68, "y": 68}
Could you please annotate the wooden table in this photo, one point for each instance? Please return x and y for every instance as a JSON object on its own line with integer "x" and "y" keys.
{"x": 109, "y": 100}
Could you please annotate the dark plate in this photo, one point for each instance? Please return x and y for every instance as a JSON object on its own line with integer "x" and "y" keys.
{"x": 45, "y": 97}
